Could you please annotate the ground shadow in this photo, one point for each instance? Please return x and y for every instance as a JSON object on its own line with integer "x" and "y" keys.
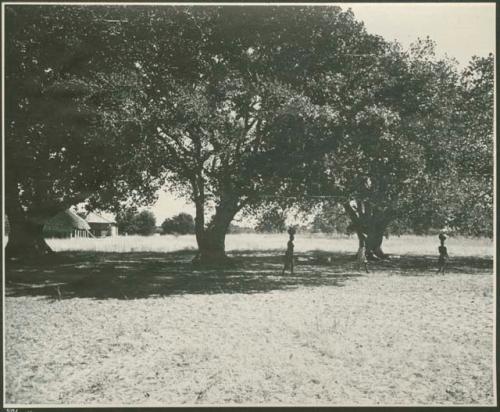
{"x": 425, "y": 265}
{"x": 102, "y": 275}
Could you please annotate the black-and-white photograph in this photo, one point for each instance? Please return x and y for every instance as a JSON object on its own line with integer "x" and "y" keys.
{"x": 248, "y": 204}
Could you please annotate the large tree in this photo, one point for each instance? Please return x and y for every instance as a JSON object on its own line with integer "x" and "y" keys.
{"x": 240, "y": 113}
{"x": 70, "y": 129}
{"x": 436, "y": 166}
{"x": 400, "y": 119}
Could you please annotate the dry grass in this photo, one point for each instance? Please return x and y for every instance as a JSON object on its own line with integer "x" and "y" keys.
{"x": 403, "y": 245}
{"x": 149, "y": 329}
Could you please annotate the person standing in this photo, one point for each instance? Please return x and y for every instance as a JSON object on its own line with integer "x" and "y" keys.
{"x": 443, "y": 254}
{"x": 289, "y": 252}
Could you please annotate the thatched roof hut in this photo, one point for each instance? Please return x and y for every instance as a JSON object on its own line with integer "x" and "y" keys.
{"x": 67, "y": 224}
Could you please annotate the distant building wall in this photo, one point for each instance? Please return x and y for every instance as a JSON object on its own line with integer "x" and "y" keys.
{"x": 63, "y": 234}
{"x": 103, "y": 229}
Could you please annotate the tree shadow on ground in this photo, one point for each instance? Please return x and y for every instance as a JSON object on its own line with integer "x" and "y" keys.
{"x": 102, "y": 275}
{"x": 425, "y": 265}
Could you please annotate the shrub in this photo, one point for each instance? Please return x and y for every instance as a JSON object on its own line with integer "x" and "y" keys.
{"x": 181, "y": 224}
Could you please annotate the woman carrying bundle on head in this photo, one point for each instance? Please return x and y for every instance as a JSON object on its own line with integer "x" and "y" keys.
{"x": 361, "y": 255}
{"x": 443, "y": 254}
{"x": 289, "y": 252}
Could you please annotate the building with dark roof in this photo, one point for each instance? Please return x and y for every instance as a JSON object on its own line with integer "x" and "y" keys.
{"x": 66, "y": 224}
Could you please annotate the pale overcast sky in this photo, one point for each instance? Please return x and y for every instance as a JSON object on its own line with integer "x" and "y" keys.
{"x": 460, "y": 30}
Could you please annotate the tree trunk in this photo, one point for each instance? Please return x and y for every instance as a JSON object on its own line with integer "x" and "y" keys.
{"x": 25, "y": 231}
{"x": 199, "y": 221}
{"x": 211, "y": 240}
{"x": 374, "y": 244}
{"x": 213, "y": 247}
{"x": 25, "y": 238}
{"x": 370, "y": 225}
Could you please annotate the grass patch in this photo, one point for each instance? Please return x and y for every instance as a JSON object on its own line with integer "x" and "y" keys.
{"x": 402, "y": 245}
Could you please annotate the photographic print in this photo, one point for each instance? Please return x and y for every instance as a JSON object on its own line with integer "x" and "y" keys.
{"x": 252, "y": 204}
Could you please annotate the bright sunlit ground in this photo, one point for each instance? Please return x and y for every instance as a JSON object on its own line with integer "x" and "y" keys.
{"x": 135, "y": 323}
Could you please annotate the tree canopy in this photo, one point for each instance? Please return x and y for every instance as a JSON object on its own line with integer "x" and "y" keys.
{"x": 456, "y": 190}
{"x": 249, "y": 113}
{"x": 234, "y": 106}
{"x": 402, "y": 156}
{"x": 272, "y": 220}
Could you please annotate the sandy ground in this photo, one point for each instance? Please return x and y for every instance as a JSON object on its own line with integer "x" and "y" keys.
{"x": 377, "y": 339}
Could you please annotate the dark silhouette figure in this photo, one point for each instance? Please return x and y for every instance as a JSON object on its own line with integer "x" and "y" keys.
{"x": 289, "y": 252}
{"x": 443, "y": 254}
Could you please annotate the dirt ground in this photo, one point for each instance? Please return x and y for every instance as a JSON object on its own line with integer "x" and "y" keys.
{"x": 149, "y": 329}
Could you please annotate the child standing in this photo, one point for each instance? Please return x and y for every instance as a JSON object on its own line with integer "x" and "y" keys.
{"x": 289, "y": 252}
{"x": 443, "y": 254}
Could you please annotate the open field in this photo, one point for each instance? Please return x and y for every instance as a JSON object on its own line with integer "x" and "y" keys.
{"x": 122, "y": 327}
{"x": 398, "y": 245}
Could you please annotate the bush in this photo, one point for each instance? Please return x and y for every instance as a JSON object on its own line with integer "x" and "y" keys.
{"x": 133, "y": 223}
{"x": 145, "y": 223}
{"x": 182, "y": 224}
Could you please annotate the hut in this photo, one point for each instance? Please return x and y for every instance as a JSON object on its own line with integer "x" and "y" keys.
{"x": 100, "y": 226}
{"x": 66, "y": 224}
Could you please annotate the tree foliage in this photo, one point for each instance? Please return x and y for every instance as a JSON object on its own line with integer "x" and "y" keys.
{"x": 232, "y": 106}
{"x": 247, "y": 114}
{"x": 272, "y": 220}
{"x": 130, "y": 222}
{"x": 331, "y": 218}
{"x": 181, "y": 224}
{"x": 457, "y": 188}
{"x": 70, "y": 131}
{"x": 403, "y": 154}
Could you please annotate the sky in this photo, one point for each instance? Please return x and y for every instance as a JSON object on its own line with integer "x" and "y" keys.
{"x": 460, "y": 30}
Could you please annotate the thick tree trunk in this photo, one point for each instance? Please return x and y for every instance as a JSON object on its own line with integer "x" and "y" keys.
{"x": 213, "y": 247}
{"x": 25, "y": 230}
{"x": 25, "y": 238}
{"x": 369, "y": 225}
{"x": 374, "y": 244}
{"x": 212, "y": 240}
